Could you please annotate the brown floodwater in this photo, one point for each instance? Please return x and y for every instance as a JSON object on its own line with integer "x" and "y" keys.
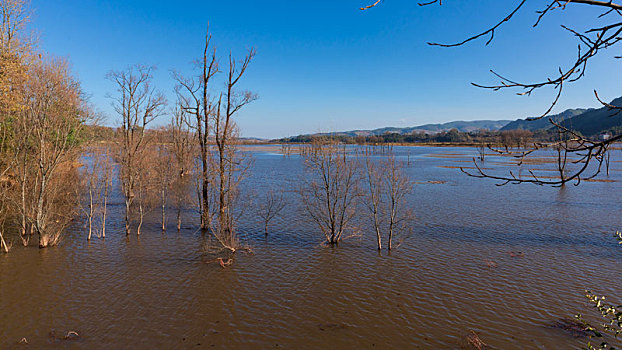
{"x": 458, "y": 271}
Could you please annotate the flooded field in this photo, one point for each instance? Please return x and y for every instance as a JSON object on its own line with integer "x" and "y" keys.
{"x": 509, "y": 263}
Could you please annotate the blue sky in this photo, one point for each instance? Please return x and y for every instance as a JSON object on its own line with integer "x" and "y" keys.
{"x": 325, "y": 65}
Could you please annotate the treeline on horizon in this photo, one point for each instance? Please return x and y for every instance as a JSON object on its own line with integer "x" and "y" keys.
{"x": 514, "y": 138}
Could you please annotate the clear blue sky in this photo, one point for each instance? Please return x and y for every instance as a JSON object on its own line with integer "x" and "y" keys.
{"x": 325, "y": 65}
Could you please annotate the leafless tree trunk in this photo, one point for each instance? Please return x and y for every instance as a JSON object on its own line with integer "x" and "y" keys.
{"x": 164, "y": 174}
{"x": 138, "y": 104}
{"x": 273, "y": 204}
{"x": 387, "y": 187}
{"x": 228, "y": 164}
{"x": 194, "y": 98}
{"x": 91, "y": 175}
{"x": 481, "y": 150}
{"x": 375, "y": 191}
{"x": 329, "y": 188}
{"x": 106, "y": 183}
{"x": 398, "y": 187}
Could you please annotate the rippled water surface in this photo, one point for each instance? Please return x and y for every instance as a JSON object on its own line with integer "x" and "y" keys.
{"x": 165, "y": 291}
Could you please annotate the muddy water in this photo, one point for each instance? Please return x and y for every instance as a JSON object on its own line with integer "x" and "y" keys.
{"x": 164, "y": 291}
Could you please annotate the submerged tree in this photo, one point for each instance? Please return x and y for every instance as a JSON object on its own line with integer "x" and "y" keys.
{"x": 270, "y": 208}
{"x": 90, "y": 189}
{"x": 49, "y": 144}
{"x": 387, "y": 187}
{"x": 230, "y": 164}
{"x": 183, "y": 152}
{"x": 222, "y": 166}
{"x": 15, "y": 57}
{"x": 194, "y": 99}
{"x": 138, "y": 103}
{"x": 164, "y": 175}
{"x": 588, "y": 155}
{"x": 329, "y": 188}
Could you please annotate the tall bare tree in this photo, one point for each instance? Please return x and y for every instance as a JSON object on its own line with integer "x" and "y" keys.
{"x": 138, "y": 103}
{"x": 194, "y": 98}
{"x": 387, "y": 187}
{"x": 230, "y": 167}
{"x": 90, "y": 190}
{"x": 375, "y": 189}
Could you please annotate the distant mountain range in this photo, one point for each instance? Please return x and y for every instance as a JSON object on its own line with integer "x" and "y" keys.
{"x": 587, "y": 121}
{"x": 464, "y": 126}
{"x": 543, "y": 123}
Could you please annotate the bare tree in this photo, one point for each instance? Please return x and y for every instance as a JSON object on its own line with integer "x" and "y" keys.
{"x": 375, "y": 188}
{"x": 194, "y": 98}
{"x": 138, "y": 103}
{"x": 164, "y": 174}
{"x": 329, "y": 188}
{"x": 271, "y": 207}
{"x": 398, "y": 187}
{"x": 230, "y": 167}
{"x": 106, "y": 168}
{"x": 91, "y": 177}
{"x": 387, "y": 187}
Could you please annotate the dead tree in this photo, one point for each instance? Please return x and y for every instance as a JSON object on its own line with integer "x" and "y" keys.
{"x": 229, "y": 166}
{"x": 194, "y": 98}
{"x": 271, "y": 207}
{"x": 106, "y": 168}
{"x": 398, "y": 187}
{"x": 164, "y": 173}
{"x": 375, "y": 190}
{"x": 138, "y": 103}
{"x": 387, "y": 187}
{"x": 90, "y": 190}
{"x": 591, "y": 42}
{"x": 329, "y": 188}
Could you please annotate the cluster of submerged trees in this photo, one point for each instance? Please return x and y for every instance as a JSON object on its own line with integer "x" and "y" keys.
{"x": 53, "y": 169}
{"x": 49, "y": 163}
